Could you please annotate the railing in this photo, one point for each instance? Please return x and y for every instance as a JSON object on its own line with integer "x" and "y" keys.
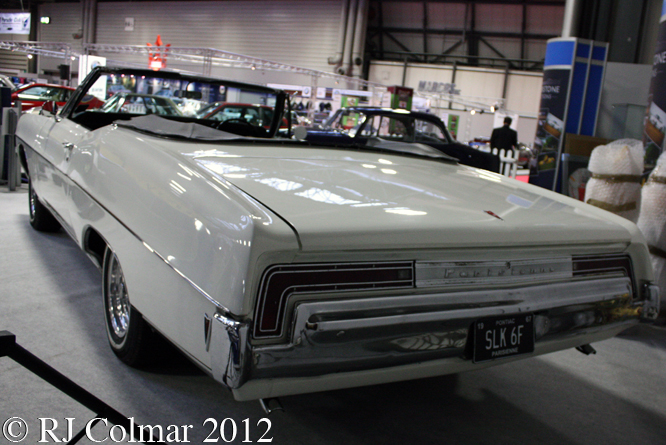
{"x": 9, "y": 348}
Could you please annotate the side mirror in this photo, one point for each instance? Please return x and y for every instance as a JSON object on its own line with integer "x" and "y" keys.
{"x": 50, "y": 107}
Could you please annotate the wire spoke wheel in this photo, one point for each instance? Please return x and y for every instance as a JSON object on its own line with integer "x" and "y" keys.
{"x": 131, "y": 338}
{"x": 40, "y": 217}
{"x": 117, "y": 299}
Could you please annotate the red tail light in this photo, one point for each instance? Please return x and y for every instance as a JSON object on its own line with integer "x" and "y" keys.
{"x": 604, "y": 265}
{"x": 279, "y": 283}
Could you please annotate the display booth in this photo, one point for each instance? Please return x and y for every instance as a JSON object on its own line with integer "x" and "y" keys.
{"x": 570, "y": 96}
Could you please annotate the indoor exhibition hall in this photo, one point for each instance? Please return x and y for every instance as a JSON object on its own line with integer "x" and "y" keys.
{"x": 333, "y": 222}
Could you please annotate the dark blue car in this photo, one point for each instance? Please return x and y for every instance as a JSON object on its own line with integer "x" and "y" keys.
{"x": 387, "y": 128}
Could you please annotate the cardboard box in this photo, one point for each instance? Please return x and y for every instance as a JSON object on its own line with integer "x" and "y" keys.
{"x": 577, "y": 145}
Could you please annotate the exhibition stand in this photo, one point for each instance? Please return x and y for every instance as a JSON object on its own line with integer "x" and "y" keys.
{"x": 570, "y": 96}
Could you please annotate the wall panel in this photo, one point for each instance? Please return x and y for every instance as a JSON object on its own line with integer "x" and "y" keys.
{"x": 508, "y": 47}
{"x": 545, "y": 19}
{"x": 446, "y": 15}
{"x": 480, "y": 83}
{"x": 12, "y": 63}
{"x": 66, "y": 20}
{"x": 456, "y": 16}
{"x": 523, "y": 92}
{"x": 523, "y": 88}
{"x": 302, "y": 33}
{"x": 402, "y": 14}
{"x": 499, "y": 18}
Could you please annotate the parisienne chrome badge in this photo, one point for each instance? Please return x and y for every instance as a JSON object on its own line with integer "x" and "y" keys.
{"x": 439, "y": 273}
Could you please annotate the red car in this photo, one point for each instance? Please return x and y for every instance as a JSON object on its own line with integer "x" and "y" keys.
{"x": 36, "y": 94}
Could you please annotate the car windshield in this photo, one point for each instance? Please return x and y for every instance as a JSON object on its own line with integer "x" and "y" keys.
{"x": 141, "y": 104}
{"x": 254, "y": 114}
{"x": 123, "y": 94}
{"x": 44, "y": 92}
{"x": 391, "y": 125}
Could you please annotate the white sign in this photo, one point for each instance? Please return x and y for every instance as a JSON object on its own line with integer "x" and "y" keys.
{"x": 356, "y": 93}
{"x": 129, "y": 23}
{"x": 15, "y": 23}
{"x": 437, "y": 87}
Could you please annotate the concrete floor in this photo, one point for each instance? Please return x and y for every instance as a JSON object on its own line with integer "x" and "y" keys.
{"x": 50, "y": 298}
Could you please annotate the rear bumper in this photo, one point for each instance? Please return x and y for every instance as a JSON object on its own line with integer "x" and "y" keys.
{"x": 340, "y": 343}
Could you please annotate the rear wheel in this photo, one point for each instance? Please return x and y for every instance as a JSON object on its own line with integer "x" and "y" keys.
{"x": 130, "y": 337}
{"x": 40, "y": 217}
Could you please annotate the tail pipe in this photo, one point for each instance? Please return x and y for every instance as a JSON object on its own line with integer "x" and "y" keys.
{"x": 586, "y": 349}
{"x": 271, "y": 405}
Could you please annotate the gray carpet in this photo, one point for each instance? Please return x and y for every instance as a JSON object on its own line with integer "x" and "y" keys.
{"x": 50, "y": 298}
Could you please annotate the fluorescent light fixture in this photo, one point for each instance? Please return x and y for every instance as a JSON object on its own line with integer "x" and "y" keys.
{"x": 45, "y": 20}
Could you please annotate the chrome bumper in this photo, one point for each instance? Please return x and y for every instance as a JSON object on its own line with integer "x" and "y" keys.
{"x": 334, "y": 343}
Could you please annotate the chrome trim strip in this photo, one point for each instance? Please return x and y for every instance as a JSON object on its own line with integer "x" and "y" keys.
{"x": 441, "y": 273}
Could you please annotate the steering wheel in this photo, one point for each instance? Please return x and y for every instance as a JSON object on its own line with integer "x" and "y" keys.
{"x": 233, "y": 121}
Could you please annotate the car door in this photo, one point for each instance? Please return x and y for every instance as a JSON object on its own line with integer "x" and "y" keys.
{"x": 62, "y": 136}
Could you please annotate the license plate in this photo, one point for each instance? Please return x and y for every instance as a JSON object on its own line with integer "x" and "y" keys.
{"x": 501, "y": 337}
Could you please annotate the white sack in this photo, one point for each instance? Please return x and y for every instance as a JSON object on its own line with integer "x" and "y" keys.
{"x": 652, "y": 219}
{"x": 619, "y": 158}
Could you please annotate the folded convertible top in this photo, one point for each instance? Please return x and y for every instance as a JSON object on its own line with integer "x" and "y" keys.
{"x": 160, "y": 126}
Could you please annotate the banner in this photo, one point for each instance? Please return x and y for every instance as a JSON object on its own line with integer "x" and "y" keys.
{"x": 570, "y": 95}
{"x": 452, "y": 125}
{"x": 655, "y": 124}
{"x": 15, "y": 23}
{"x": 557, "y": 74}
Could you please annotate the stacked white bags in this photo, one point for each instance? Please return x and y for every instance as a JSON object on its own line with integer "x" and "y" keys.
{"x": 615, "y": 184}
{"x": 652, "y": 220}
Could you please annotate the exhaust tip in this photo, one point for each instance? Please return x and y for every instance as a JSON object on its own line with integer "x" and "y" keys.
{"x": 270, "y": 405}
{"x": 586, "y": 349}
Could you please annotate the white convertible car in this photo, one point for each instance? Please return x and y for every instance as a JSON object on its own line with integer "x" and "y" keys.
{"x": 282, "y": 267}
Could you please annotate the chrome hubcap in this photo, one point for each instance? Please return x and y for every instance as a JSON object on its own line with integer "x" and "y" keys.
{"x": 117, "y": 299}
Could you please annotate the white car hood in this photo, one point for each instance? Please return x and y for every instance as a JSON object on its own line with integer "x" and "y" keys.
{"x": 345, "y": 200}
